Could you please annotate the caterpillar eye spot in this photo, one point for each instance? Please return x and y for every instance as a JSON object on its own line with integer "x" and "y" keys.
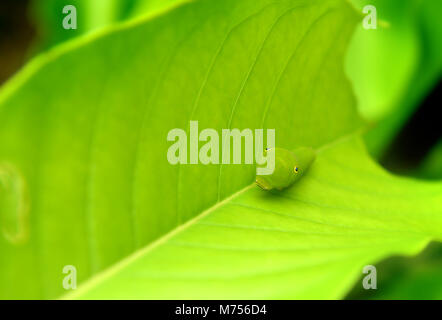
{"x": 296, "y": 169}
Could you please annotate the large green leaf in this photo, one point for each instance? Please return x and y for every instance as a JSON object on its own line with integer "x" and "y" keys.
{"x": 83, "y": 140}
{"x": 86, "y": 124}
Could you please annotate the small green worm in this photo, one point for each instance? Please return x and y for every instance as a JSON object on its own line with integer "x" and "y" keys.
{"x": 290, "y": 166}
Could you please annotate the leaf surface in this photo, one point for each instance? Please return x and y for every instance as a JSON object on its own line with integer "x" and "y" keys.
{"x": 308, "y": 242}
{"x": 84, "y": 128}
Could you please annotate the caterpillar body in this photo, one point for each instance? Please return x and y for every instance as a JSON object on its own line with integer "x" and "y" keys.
{"x": 290, "y": 166}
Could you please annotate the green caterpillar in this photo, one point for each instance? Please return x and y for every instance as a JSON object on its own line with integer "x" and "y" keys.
{"x": 290, "y": 166}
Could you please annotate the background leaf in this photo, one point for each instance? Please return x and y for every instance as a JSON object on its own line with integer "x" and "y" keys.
{"x": 407, "y": 278}
{"x": 431, "y": 167}
{"x": 393, "y": 67}
{"x": 91, "y": 16}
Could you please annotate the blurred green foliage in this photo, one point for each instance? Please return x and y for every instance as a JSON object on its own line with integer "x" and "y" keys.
{"x": 394, "y": 67}
{"x": 431, "y": 166}
{"x": 415, "y": 278}
{"x": 91, "y": 15}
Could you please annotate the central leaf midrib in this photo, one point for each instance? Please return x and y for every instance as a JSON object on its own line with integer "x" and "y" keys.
{"x": 141, "y": 252}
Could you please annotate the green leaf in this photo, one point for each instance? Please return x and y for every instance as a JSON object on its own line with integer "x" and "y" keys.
{"x": 48, "y": 16}
{"x": 148, "y": 6}
{"x": 86, "y": 124}
{"x": 84, "y": 128}
{"x": 408, "y": 278}
{"x": 310, "y": 241}
{"x": 431, "y": 166}
{"x": 422, "y": 284}
{"x": 91, "y": 15}
{"x": 380, "y": 61}
{"x": 393, "y": 67}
